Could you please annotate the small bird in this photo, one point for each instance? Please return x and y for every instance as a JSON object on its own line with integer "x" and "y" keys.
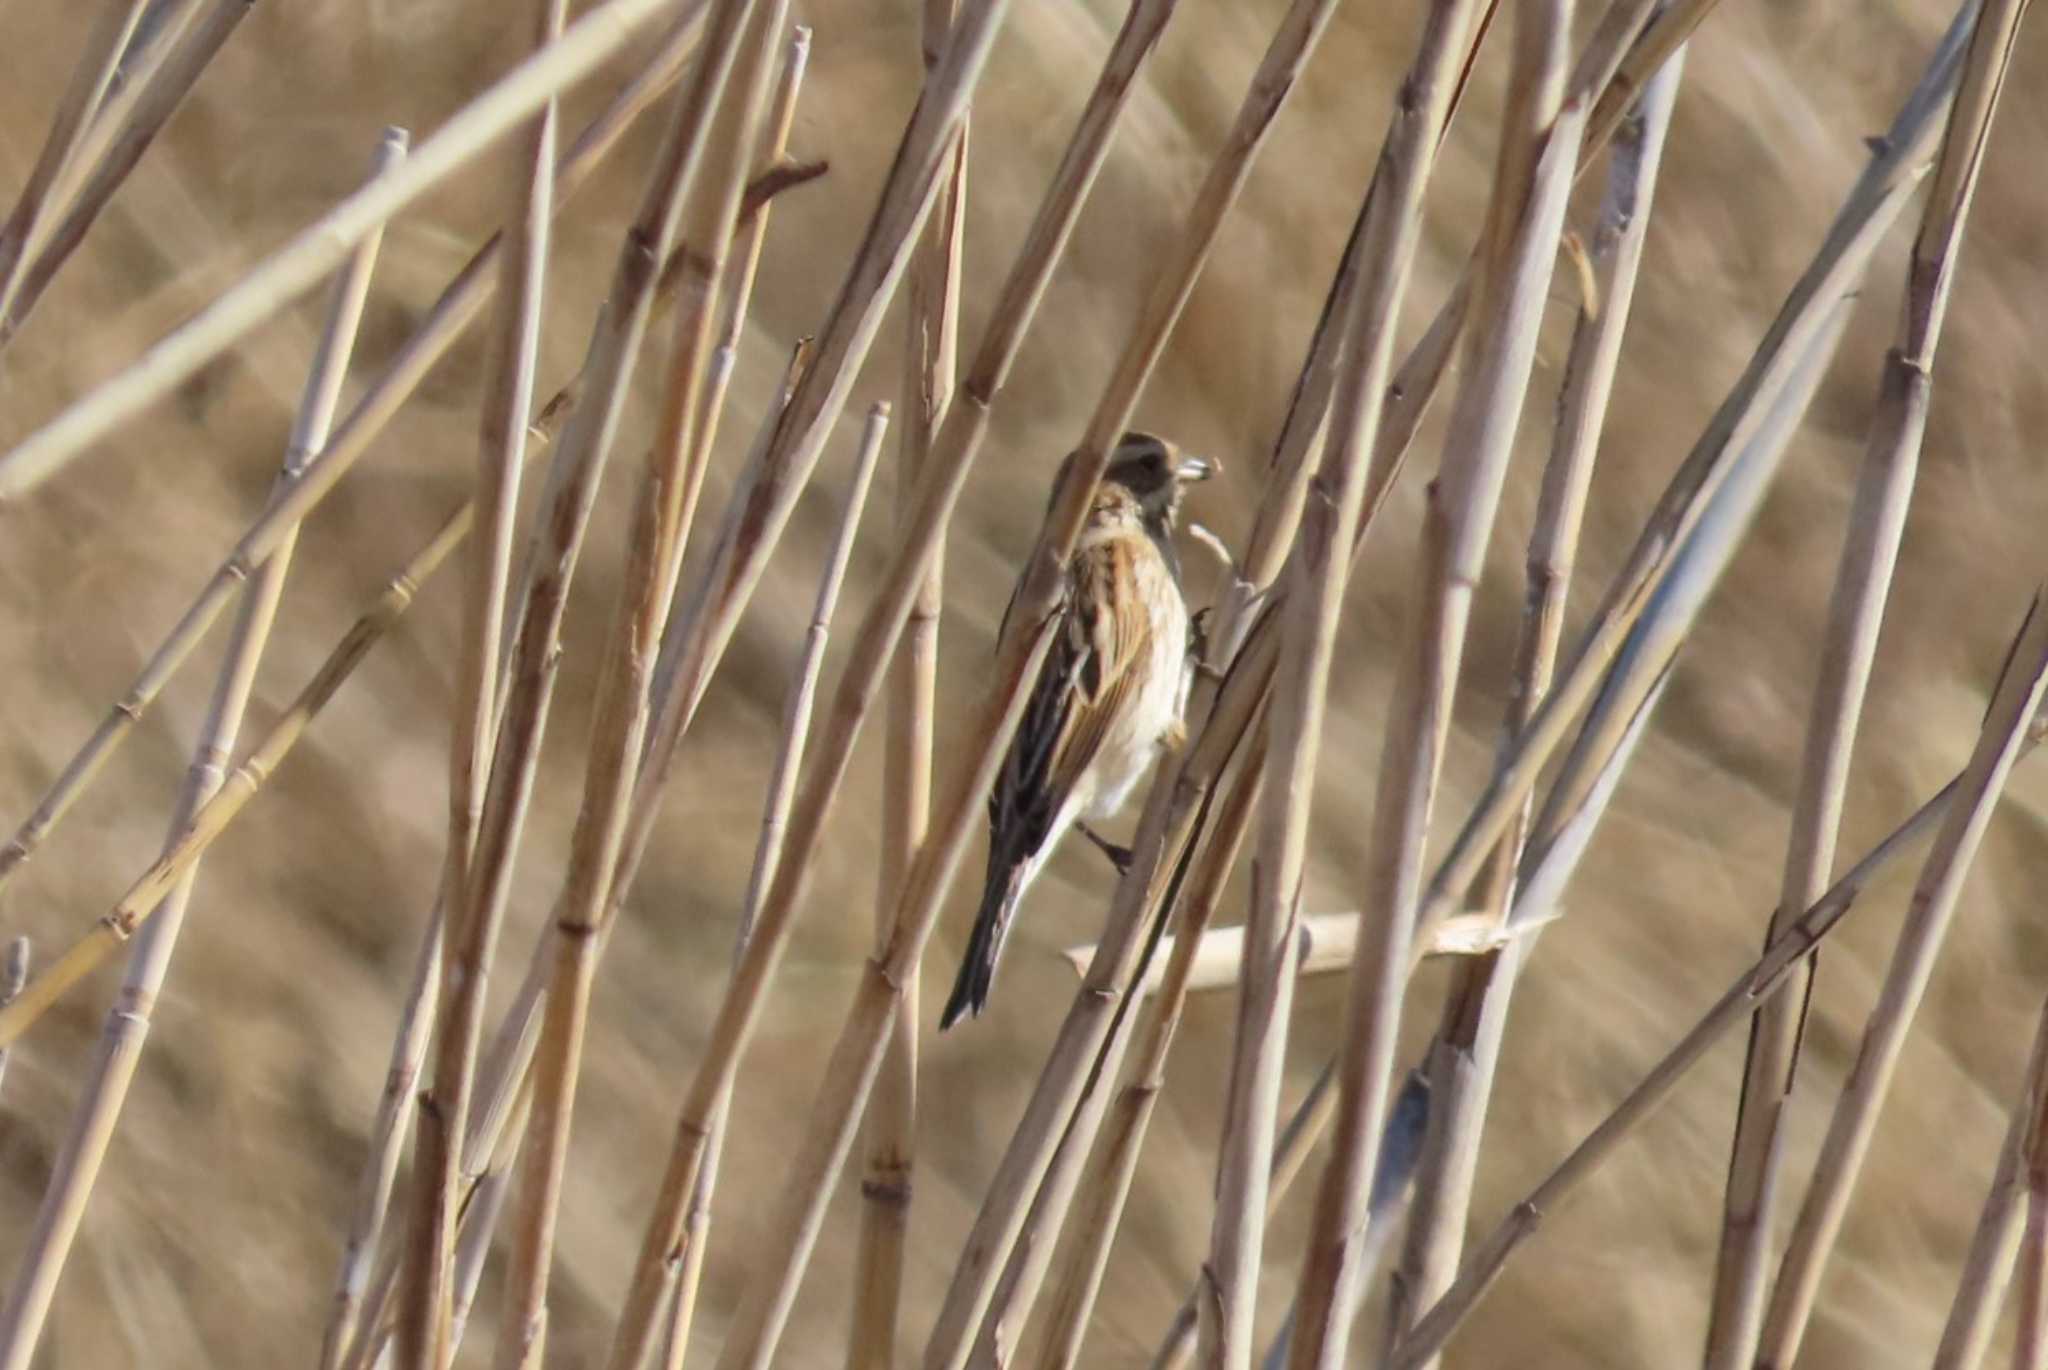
{"x": 1107, "y": 699}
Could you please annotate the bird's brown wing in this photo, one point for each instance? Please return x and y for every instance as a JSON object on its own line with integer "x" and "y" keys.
{"x": 1087, "y": 682}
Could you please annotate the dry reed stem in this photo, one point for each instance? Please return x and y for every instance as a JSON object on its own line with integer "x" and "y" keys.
{"x": 321, "y": 246}
{"x": 1327, "y": 943}
{"x": 795, "y": 733}
{"x": 380, "y": 401}
{"x": 124, "y": 124}
{"x": 463, "y": 974}
{"x": 1462, "y": 1060}
{"x": 99, "y": 1107}
{"x": 1994, "y": 1245}
{"x": 1317, "y": 580}
{"x": 1809, "y": 309}
{"x": 930, "y": 372}
{"x": 13, "y": 975}
{"x": 2012, "y": 727}
{"x": 919, "y": 166}
{"x": 2030, "y": 1343}
{"x": 1869, "y": 557}
{"x": 104, "y": 45}
{"x": 133, "y": 910}
{"x": 1539, "y": 148}
{"x": 740, "y": 37}
{"x": 1114, "y": 1162}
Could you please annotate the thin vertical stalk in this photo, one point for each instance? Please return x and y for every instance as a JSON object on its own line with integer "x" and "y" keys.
{"x": 1862, "y": 586}
{"x": 469, "y": 928}
{"x": 1463, "y": 1058}
{"x": 740, "y": 41}
{"x": 458, "y": 304}
{"x": 128, "y": 1020}
{"x": 1994, "y": 1246}
{"x": 1962, "y": 809}
{"x": 782, "y": 778}
{"x": 1314, "y": 601}
{"x": 13, "y": 975}
{"x": 930, "y": 372}
{"x": 1539, "y": 151}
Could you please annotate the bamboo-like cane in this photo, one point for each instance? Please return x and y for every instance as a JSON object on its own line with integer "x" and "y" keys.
{"x": 930, "y": 371}
{"x": 2030, "y": 1336}
{"x": 128, "y": 1020}
{"x": 321, "y": 246}
{"x": 796, "y": 726}
{"x": 1539, "y": 150}
{"x": 741, "y": 40}
{"x": 104, "y": 45}
{"x": 1994, "y": 1246}
{"x": 451, "y": 313}
{"x": 1863, "y": 582}
{"x": 13, "y": 975}
{"x": 133, "y": 909}
{"x": 1318, "y": 575}
{"x": 1808, "y": 309}
{"x": 1962, "y": 808}
{"x": 1464, "y": 1056}
{"x": 126, "y": 121}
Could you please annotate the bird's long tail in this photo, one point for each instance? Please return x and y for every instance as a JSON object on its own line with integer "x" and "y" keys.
{"x": 1006, "y": 881}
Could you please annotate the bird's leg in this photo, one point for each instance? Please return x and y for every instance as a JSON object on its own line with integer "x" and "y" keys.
{"x": 1120, "y": 857}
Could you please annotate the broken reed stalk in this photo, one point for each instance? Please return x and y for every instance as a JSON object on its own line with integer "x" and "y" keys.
{"x": 98, "y": 1111}
{"x": 13, "y": 975}
{"x": 294, "y": 268}
{"x": 1539, "y": 150}
{"x": 1462, "y": 1060}
{"x": 1113, "y": 1164}
{"x": 1317, "y": 579}
{"x": 1856, "y": 612}
{"x": 930, "y": 371}
{"x": 1994, "y": 1245}
{"x": 458, "y": 304}
{"x": 1962, "y": 809}
{"x": 134, "y": 908}
{"x": 125, "y": 123}
{"x": 741, "y": 40}
{"x": 1809, "y": 308}
{"x": 104, "y": 44}
{"x": 782, "y": 777}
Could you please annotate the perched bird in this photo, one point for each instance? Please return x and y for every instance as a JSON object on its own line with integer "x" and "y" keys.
{"x": 1107, "y": 699}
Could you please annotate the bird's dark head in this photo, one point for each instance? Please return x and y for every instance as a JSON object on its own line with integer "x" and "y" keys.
{"x": 1155, "y": 472}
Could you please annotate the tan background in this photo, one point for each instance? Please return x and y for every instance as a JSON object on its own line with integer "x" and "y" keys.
{"x": 213, "y": 1235}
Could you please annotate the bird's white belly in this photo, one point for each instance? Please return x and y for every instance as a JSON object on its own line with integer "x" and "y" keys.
{"x": 1132, "y": 746}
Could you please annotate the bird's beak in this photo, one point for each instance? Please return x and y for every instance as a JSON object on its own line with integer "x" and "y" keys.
{"x": 1197, "y": 468}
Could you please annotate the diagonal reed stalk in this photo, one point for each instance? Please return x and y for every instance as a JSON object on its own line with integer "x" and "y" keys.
{"x": 1463, "y": 1058}
{"x": 457, "y": 306}
{"x": 129, "y": 914}
{"x": 1869, "y": 557}
{"x": 741, "y": 37}
{"x": 128, "y": 1020}
{"x": 297, "y": 266}
{"x": 104, "y": 46}
{"x": 1962, "y": 809}
{"x": 1994, "y": 1246}
{"x": 13, "y": 975}
{"x": 930, "y": 371}
{"x": 1315, "y": 590}
{"x": 1539, "y": 150}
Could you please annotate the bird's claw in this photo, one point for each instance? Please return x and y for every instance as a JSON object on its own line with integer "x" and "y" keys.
{"x": 1120, "y": 857}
